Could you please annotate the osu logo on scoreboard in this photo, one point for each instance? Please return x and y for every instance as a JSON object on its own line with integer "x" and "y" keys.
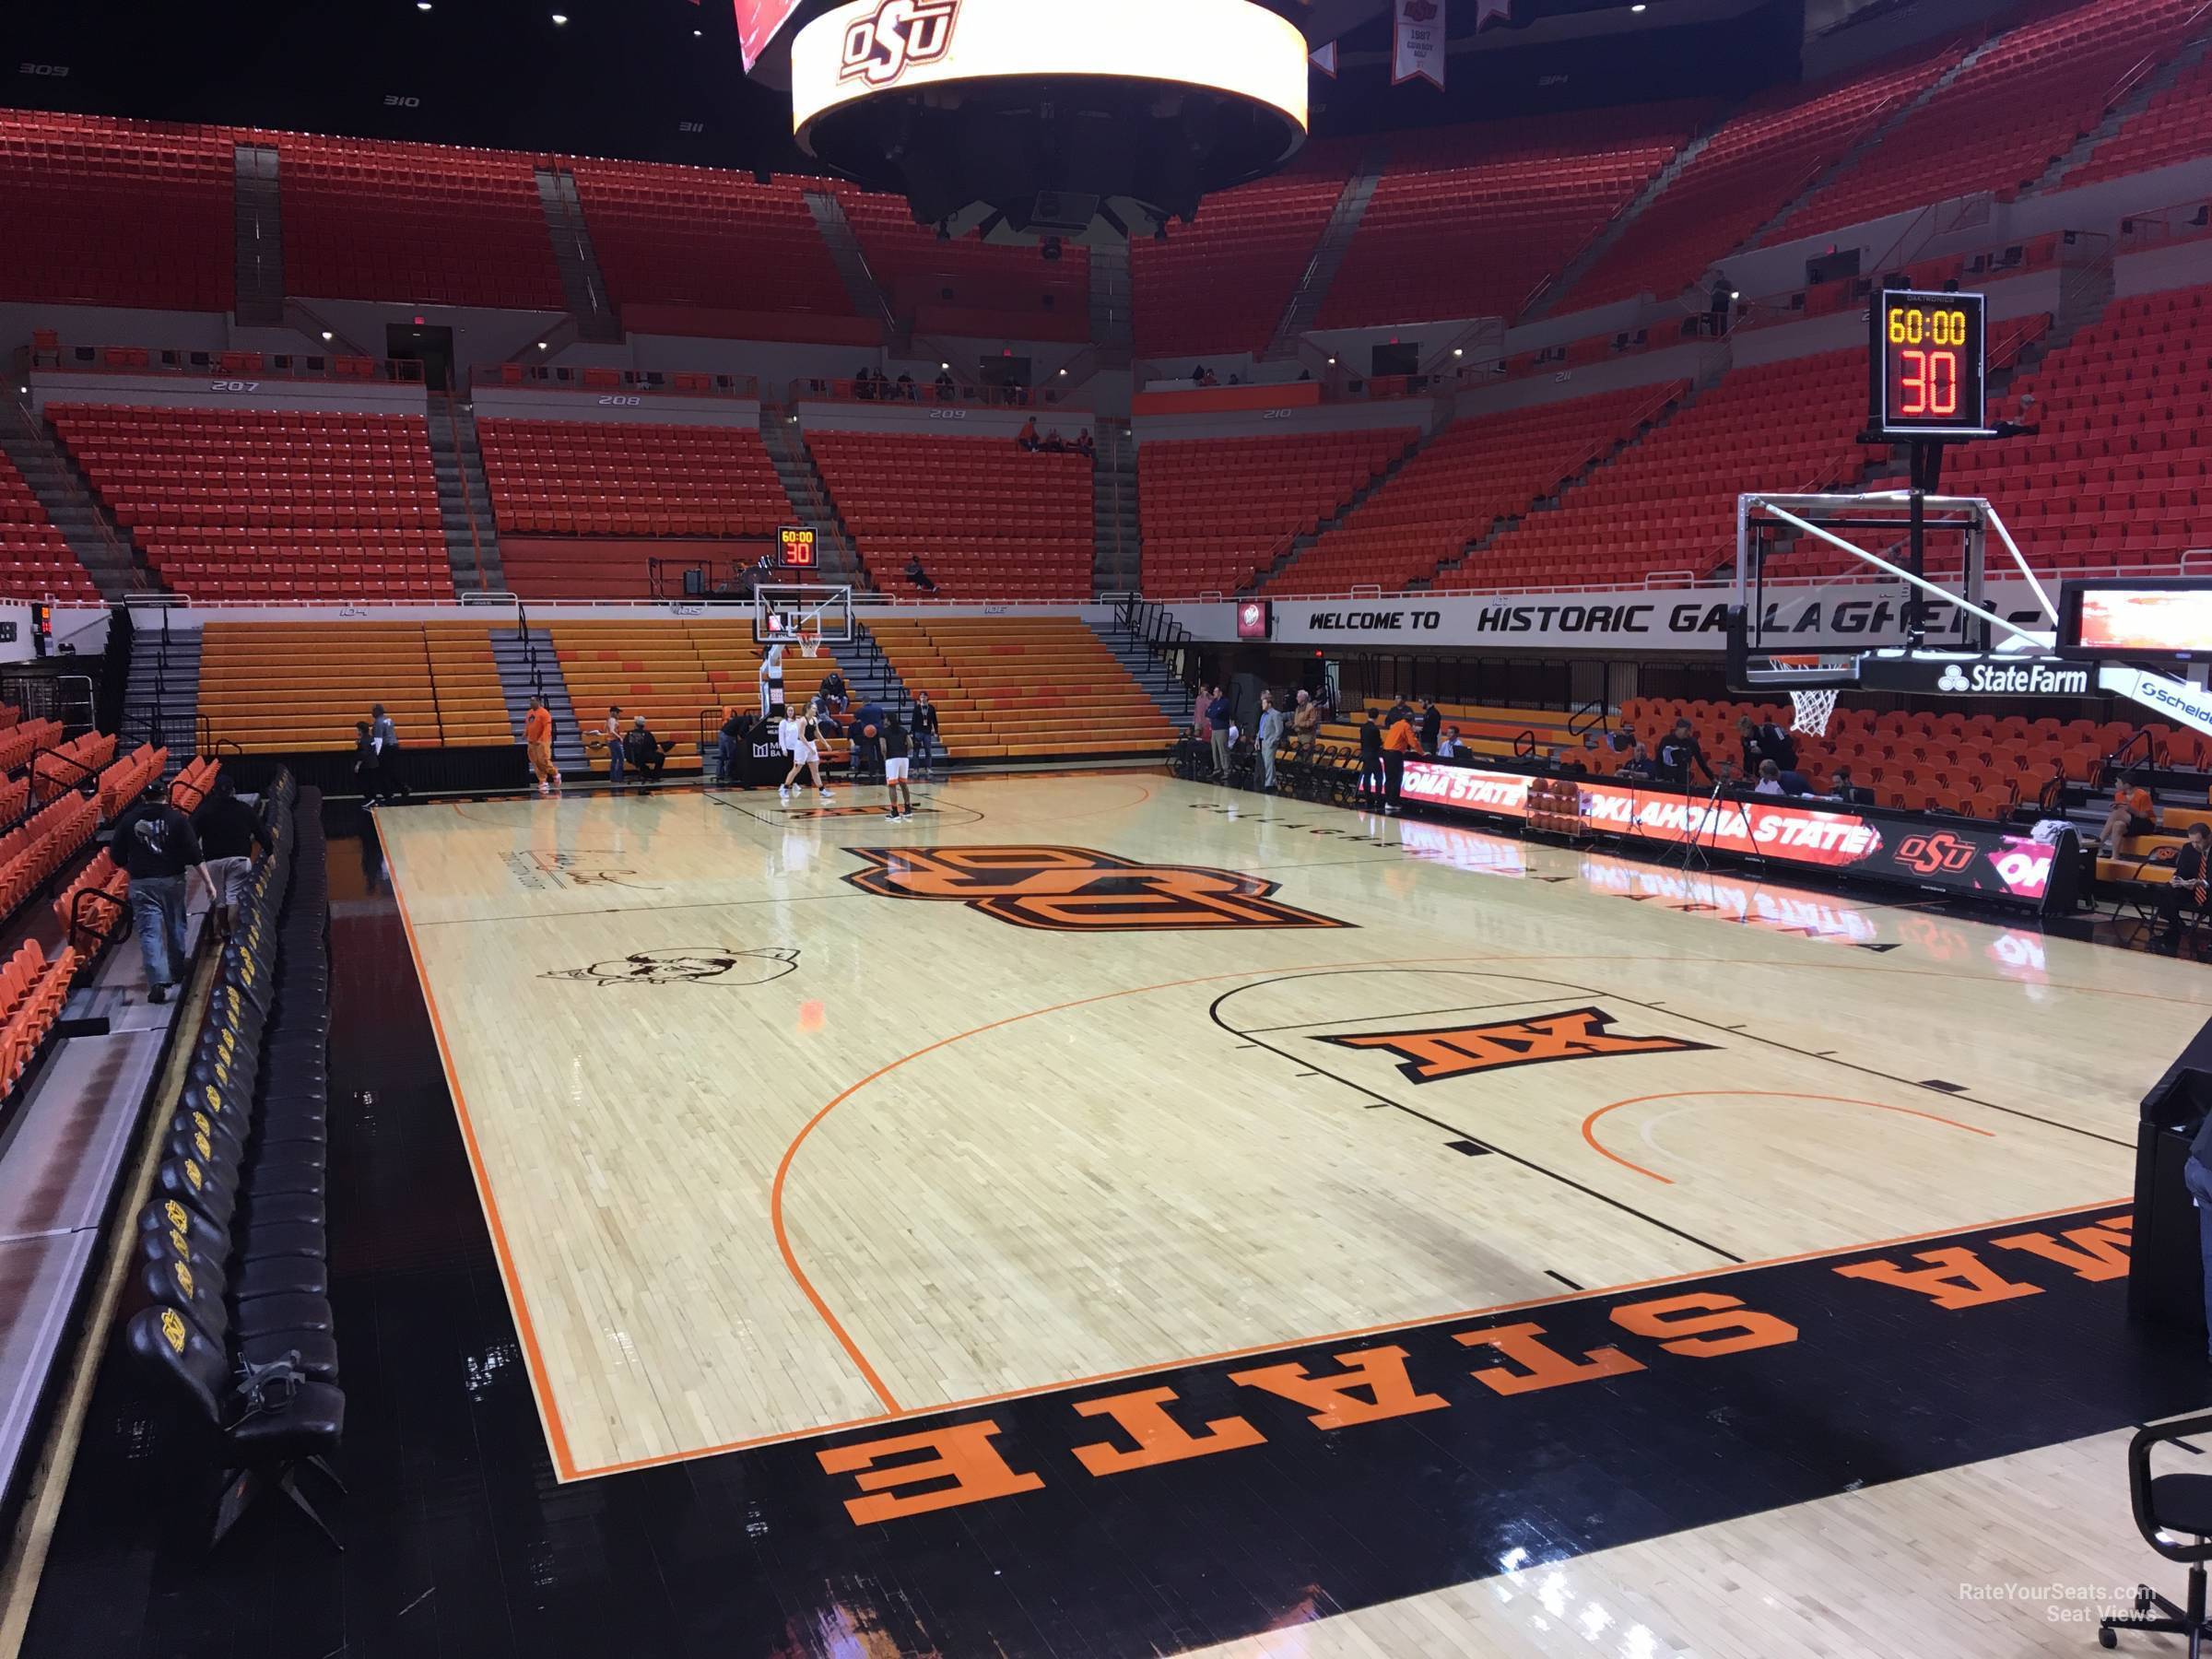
{"x": 1934, "y": 854}
{"x": 880, "y": 47}
{"x": 1439, "y": 1052}
{"x": 1074, "y": 889}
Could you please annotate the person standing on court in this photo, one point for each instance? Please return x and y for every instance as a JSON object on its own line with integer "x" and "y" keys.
{"x": 894, "y": 748}
{"x": 228, "y": 830}
{"x": 1432, "y": 725}
{"x": 1398, "y": 742}
{"x": 1305, "y": 724}
{"x": 156, "y": 845}
{"x": 867, "y": 752}
{"x": 537, "y": 740}
{"x": 921, "y": 722}
{"x": 1271, "y": 734}
{"x": 364, "y": 766}
{"x": 610, "y": 735}
{"x": 1217, "y": 721}
{"x": 1369, "y": 791}
{"x": 387, "y": 753}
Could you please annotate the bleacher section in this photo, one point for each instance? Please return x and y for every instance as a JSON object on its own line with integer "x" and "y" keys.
{"x": 1223, "y": 283}
{"x": 1668, "y": 503}
{"x": 34, "y": 558}
{"x": 1747, "y": 169}
{"x": 586, "y": 479}
{"x": 1470, "y": 221}
{"x": 2006, "y": 119}
{"x": 275, "y": 688}
{"x": 425, "y": 223}
{"x": 1215, "y": 509}
{"x": 1010, "y": 688}
{"x": 985, "y": 518}
{"x": 95, "y": 210}
{"x": 673, "y": 676}
{"x": 2114, "y": 479}
{"x": 2176, "y": 126}
{"x": 1487, "y": 468}
{"x": 967, "y": 286}
{"x": 695, "y": 236}
{"x": 268, "y": 504}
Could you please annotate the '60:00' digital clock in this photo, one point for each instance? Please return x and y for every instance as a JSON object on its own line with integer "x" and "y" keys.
{"x": 1928, "y": 365}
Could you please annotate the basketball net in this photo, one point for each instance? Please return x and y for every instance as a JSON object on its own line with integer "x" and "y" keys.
{"x": 1811, "y": 709}
{"x": 805, "y": 628}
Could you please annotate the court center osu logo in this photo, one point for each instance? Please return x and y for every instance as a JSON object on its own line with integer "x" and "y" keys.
{"x": 882, "y": 46}
{"x": 1076, "y": 889}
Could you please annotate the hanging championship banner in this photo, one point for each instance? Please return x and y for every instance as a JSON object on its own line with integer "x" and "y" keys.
{"x": 1417, "y": 47}
{"x": 1487, "y": 12}
{"x": 1323, "y": 58}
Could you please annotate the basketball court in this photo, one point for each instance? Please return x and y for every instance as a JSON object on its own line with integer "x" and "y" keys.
{"x": 788, "y": 1120}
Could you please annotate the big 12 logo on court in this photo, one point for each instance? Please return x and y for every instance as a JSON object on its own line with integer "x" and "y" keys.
{"x": 882, "y": 46}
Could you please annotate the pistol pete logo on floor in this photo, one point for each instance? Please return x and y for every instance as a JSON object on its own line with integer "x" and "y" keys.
{"x": 682, "y": 964}
{"x": 1431, "y": 1054}
{"x": 1078, "y": 889}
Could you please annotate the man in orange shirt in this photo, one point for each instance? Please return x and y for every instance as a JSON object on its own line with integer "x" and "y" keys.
{"x": 1398, "y": 742}
{"x": 537, "y": 737}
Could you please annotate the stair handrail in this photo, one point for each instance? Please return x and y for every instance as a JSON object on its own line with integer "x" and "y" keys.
{"x": 468, "y": 502}
{"x": 1594, "y": 715}
{"x": 2149, "y": 63}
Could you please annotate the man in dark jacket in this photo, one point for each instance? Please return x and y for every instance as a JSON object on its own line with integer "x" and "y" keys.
{"x": 1432, "y": 725}
{"x": 867, "y": 752}
{"x": 1370, "y": 761}
{"x": 155, "y": 844}
{"x": 1679, "y": 753}
{"x": 922, "y": 720}
{"x": 642, "y": 751}
{"x": 230, "y": 832}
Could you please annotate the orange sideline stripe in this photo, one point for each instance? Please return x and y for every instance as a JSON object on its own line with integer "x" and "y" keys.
{"x": 557, "y": 1437}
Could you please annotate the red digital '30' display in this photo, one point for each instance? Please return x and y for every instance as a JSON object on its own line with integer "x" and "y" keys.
{"x": 1927, "y": 360}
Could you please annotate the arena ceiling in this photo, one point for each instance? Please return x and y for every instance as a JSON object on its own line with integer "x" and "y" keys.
{"x": 660, "y": 80}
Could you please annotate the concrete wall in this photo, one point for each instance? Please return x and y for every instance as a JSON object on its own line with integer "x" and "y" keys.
{"x": 545, "y": 403}
{"x": 180, "y": 392}
{"x": 927, "y": 417}
{"x": 1415, "y": 412}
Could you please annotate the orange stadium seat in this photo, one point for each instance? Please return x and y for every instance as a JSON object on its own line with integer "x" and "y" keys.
{"x": 261, "y": 504}
{"x": 97, "y": 210}
{"x": 2009, "y": 114}
{"x": 424, "y": 222}
{"x": 1216, "y": 509}
{"x": 1480, "y": 470}
{"x": 985, "y": 519}
{"x": 1470, "y": 221}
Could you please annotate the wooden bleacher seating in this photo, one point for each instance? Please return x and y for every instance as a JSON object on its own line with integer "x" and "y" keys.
{"x": 278, "y": 688}
{"x": 1011, "y": 688}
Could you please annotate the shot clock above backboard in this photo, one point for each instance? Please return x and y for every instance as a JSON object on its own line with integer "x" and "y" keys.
{"x": 1927, "y": 365}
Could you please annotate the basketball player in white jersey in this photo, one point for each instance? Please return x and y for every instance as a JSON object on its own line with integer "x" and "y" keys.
{"x": 801, "y": 739}
{"x": 771, "y": 683}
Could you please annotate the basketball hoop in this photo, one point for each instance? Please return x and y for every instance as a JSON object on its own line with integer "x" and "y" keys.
{"x": 1811, "y": 709}
{"x": 805, "y": 627}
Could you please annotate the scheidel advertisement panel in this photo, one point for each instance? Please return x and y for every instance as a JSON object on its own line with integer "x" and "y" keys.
{"x": 1960, "y": 857}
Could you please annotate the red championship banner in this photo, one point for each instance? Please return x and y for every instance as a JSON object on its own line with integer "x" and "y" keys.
{"x": 1960, "y": 857}
{"x": 1416, "y": 42}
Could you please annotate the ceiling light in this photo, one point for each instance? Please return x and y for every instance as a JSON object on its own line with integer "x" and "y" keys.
{"x": 1062, "y": 375}
{"x": 1456, "y": 352}
{"x": 1332, "y": 363}
{"x": 1638, "y": 7}
{"x": 541, "y": 346}
{"x": 559, "y": 18}
{"x": 328, "y": 335}
{"x": 697, "y": 32}
{"x": 422, "y": 5}
{"x": 947, "y": 367}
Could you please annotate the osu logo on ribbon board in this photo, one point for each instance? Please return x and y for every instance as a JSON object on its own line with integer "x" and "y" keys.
{"x": 882, "y": 46}
{"x": 1441, "y": 1051}
{"x": 1076, "y": 889}
{"x": 1933, "y": 854}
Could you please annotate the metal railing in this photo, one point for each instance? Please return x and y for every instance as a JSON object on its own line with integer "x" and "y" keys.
{"x": 225, "y": 365}
{"x": 601, "y": 383}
